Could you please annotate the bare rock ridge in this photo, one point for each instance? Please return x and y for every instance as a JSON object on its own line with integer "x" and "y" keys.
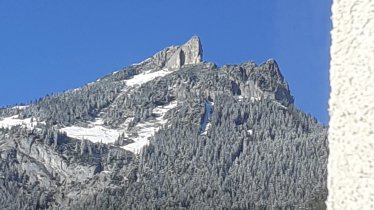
{"x": 174, "y": 57}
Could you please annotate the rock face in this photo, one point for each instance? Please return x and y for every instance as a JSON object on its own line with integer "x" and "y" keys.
{"x": 175, "y": 57}
{"x": 189, "y": 53}
{"x": 171, "y": 132}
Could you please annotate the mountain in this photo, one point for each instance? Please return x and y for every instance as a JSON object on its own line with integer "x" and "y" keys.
{"x": 171, "y": 132}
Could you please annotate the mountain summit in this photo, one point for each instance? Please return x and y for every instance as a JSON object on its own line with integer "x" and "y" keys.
{"x": 175, "y": 57}
{"x": 171, "y": 132}
{"x": 189, "y": 53}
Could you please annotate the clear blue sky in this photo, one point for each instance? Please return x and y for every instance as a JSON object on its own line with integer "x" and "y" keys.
{"x": 53, "y": 45}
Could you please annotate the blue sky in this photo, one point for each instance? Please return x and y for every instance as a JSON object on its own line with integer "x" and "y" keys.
{"x": 50, "y": 46}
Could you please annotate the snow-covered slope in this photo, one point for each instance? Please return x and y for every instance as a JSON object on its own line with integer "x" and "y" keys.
{"x": 146, "y": 76}
{"x": 95, "y": 132}
{"x": 9, "y": 122}
{"x": 147, "y": 129}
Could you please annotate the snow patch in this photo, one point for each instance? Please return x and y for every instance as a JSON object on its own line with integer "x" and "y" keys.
{"x": 73, "y": 90}
{"x": 19, "y": 107}
{"x": 205, "y": 121}
{"x": 137, "y": 64}
{"x": 253, "y": 99}
{"x": 147, "y": 129}
{"x": 280, "y": 105}
{"x": 96, "y": 132}
{"x": 9, "y": 122}
{"x": 146, "y": 76}
{"x": 205, "y": 132}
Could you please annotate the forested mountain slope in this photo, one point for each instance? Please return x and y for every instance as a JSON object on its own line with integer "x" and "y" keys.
{"x": 172, "y": 132}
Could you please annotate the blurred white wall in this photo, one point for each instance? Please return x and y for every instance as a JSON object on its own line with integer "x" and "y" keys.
{"x": 351, "y": 132}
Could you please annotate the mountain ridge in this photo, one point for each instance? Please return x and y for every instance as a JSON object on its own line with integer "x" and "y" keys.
{"x": 139, "y": 137}
{"x": 267, "y": 81}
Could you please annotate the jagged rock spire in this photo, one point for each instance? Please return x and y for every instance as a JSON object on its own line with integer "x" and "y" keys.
{"x": 176, "y": 56}
{"x": 193, "y": 51}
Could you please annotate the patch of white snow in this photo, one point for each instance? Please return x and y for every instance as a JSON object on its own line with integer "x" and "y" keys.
{"x": 9, "y": 122}
{"x": 19, "y": 107}
{"x": 146, "y": 130}
{"x": 280, "y": 105}
{"x": 137, "y": 64}
{"x": 95, "y": 131}
{"x": 146, "y": 76}
{"x": 253, "y": 99}
{"x": 208, "y": 125}
{"x": 205, "y": 122}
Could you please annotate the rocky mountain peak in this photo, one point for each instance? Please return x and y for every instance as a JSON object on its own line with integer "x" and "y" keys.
{"x": 174, "y": 57}
{"x": 193, "y": 51}
{"x": 111, "y": 142}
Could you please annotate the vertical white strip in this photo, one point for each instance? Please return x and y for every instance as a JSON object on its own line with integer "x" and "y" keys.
{"x": 351, "y": 132}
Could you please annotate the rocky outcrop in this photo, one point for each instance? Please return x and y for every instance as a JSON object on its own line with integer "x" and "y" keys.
{"x": 259, "y": 82}
{"x": 174, "y": 57}
{"x": 270, "y": 81}
{"x": 189, "y": 53}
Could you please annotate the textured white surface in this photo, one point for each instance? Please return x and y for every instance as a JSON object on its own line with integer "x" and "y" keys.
{"x": 351, "y": 131}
